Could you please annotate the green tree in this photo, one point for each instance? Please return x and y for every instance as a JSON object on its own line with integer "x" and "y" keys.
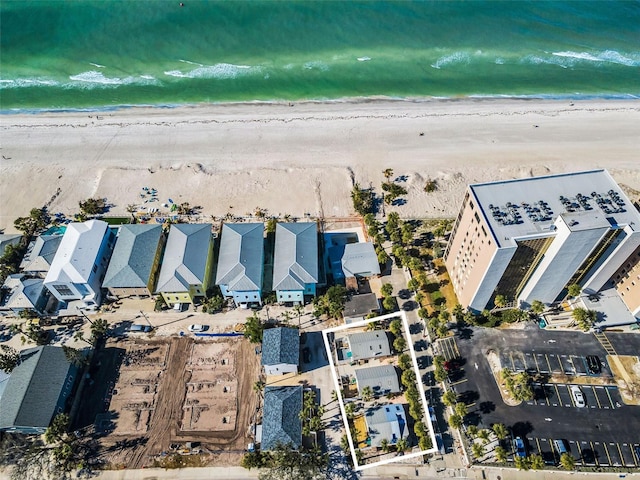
{"x": 92, "y": 206}
{"x": 383, "y": 258}
{"x": 584, "y": 318}
{"x": 478, "y": 450}
{"x": 37, "y": 220}
{"x": 420, "y": 429}
{"x": 74, "y": 356}
{"x": 366, "y": 393}
{"x": 449, "y": 398}
{"x": 461, "y": 409}
{"x": 521, "y": 463}
{"x": 331, "y": 303}
{"x": 402, "y": 445}
{"x": 99, "y": 330}
{"x": 413, "y": 284}
{"x": 9, "y": 358}
{"x": 442, "y": 331}
{"x": 363, "y": 199}
{"x": 213, "y": 304}
{"x": 271, "y": 225}
{"x": 574, "y": 290}
{"x": 408, "y": 378}
{"x": 384, "y": 445}
{"x": 472, "y": 431}
{"x": 386, "y": 289}
{"x": 483, "y": 435}
{"x": 399, "y": 344}
{"x": 253, "y": 329}
{"x": 439, "y": 373}
{"x": 501, "y": 454}
{"x": 537, "y": 307}
{"x": 388, "y": 173}
{"x": 455, "y": 421}
{"x": 536, "y": 462}
{"x": 258, "y": 386}
{"x": 500, "y": 430}
{"x": 58, "y": 428}
{"x": 404, "y": 361}
{"x": 567, "y": 461}
{"x": 252, "y": 460}
{"x": 500, "y": 301}
{"x": 389, "y": 304}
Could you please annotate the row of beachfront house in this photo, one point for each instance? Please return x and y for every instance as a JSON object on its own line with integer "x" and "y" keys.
{"x": 91, "y": 259}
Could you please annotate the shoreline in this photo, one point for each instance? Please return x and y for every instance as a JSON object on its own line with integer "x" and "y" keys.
{"x": 303, "y": 159}
{"x": 368, "y": 100}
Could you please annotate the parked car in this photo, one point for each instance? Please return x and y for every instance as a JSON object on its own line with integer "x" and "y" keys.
{"x": 561, "y": 446}
{"x": 578, "y": 397}
{"x": 593, "y": 364}
{"x": 520, "y": 447}
{"x": 196, "y": 327}
{"x": 137, "y": 328}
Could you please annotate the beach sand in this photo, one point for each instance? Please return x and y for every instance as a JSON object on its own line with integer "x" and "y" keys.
{"x": 302, "y": 159}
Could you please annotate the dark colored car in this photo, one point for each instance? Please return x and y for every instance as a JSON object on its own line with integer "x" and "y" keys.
{"x": 593, "y": 364}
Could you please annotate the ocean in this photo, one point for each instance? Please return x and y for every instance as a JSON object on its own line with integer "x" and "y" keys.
{"x": 64, "y": 55}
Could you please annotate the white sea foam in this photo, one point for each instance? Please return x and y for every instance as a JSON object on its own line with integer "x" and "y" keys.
{"x": 27, "y": 82}
{"x": 316, "y": 65}
{"x": 219, "y": 70}
{"x": 538, "y": 60}
{"x": 364, "y": 59}
{"x": 499, "y": 61}
{"x": 93, "y": 79}
{"x": 610, "y": 56}
{"x": 97, "y": 65}
{"x": 456, "y": 58}
{"x": 191, "y": 63}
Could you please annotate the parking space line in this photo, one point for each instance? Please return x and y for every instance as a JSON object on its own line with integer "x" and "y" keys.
{"x": 453, "y": 384}
{"x": 633, "y": 456}
{"x": 513, "y": 365}
{"x": 607, "y": 452}
{"x": 538, "y": 445}
{"x": 558, "y": 394}
{"x": 456, "y": 347}
{"x": 623, "y": 462}
{"x": 582, "y": 462}
{"x": 597, "y": 399}
{"x": 595, "y": 457}
{"x": 570, "y": 396}
{"x": 548, "y": 363}
{"x": 609, "y": 395}
{"x": 561, "y": 365}
{"x": 535, "y": 359}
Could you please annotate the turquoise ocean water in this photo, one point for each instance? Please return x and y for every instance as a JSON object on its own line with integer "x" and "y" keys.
{"x": 102, "y": 54}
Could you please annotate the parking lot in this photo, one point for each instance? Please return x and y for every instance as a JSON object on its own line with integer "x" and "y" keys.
{"x": 550, "y": 363}
{"x": 605, "y": 421}
{"x": 559, "y": 395}
{"x": 590, "y": 453}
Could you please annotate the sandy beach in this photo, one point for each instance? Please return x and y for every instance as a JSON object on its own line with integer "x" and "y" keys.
{"x": 302, "y": 158}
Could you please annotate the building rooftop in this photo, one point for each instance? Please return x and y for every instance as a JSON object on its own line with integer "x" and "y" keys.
{"x": 24, "y": 291}
{"x": 8, "y": 239}
{"x": 383, "y": 378}
{"x": 530, "y": 206}
{"x": 240, "y": 263}
{"x": 77, "y": 252}
{"x": 280, "y": 345}
{"x": 386, "y": 422}
{"x": 369, "y": 345}
{"x": 34, "y": 387}
{"x": 281, "y": 422}
{"x": 41, "y": 253}
{"x": 133, "y": 256}
{"x": 360, "y": 259}
{"x": 185, "y": 257}
{"x": 360, "y": 305}
{"x": 295, "y": 256}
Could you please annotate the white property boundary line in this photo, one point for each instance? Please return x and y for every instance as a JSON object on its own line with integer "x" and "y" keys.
{"x": 425, "y": 405}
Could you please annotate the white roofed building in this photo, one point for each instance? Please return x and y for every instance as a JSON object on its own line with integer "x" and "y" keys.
{"x": 79, "y": 265}
{"x": 295, "y": 269}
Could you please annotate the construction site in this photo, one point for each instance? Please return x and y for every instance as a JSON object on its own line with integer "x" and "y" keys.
{"x": 180, "y": 395}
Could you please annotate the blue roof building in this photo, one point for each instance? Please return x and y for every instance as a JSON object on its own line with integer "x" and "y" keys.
{"x": 281, "y": 423}
{"x": 295, "y": 269}
{"x": 280, "y": 350}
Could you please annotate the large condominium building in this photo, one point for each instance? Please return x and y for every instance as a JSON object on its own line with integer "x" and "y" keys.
{"x": 528, "y": 239}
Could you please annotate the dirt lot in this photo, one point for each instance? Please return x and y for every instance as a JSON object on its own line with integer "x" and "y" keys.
{"x": 177, "y": 390}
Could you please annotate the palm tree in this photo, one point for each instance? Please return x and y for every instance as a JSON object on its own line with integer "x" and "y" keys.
{"x": 500, "y": 430}
{"x": 402, "y": 445}
{"x": 366, "y": 394}
{"x": 298, "y": 309}
{"x": 258, "y": 387}
{"x": 567, "y": 461}
{"x": 501, "y": 454}
{"x": 478, "y": 450}
{"x": 536, "y": 462}
{"x": 460, "y": 409}
{"x": 388, "y": 173}
{"x": 384, "y": 445}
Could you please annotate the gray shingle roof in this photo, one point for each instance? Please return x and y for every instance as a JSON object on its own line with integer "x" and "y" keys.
{"x": 34, "y": 387}
{"x": 369, "y": 344}
{"x": 280, "y": 422}
{"x": 8, "y": 239}
{"x": 280, "y": 345}
{"x": 360, "y": 259}
{"x": 41, "y": 253}
{"x": 381, "y": 379}
{"x": 386, "y": 422}
{"x": 185, "y": 257}
{"x": 362, "y": 304}
{"x": 295, "y": 256}
{"x": 133, "y": 256}
{"x": 240, "y": 263}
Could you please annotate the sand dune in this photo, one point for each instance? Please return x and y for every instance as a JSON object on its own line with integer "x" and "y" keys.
{"x": 302, "y": 159}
